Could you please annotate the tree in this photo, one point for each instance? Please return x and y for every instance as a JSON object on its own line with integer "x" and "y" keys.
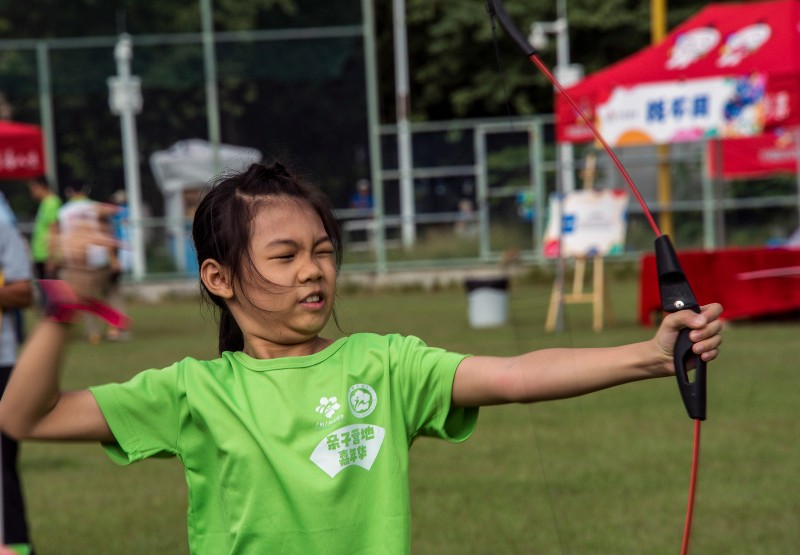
{"x": 454, "y": 69}
{"x": 275, "y": 96}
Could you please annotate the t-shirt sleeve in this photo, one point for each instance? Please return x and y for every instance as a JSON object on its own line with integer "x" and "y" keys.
{"x": 143, "y": 414}
{"x": 14, "y": 261}
{"x": 425, "y": 377}
{"x": 51, "y": 207}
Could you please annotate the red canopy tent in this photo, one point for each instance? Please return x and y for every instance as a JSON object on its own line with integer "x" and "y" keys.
{"x": 21, "y": 150}
{"x": 732, "y": 70}
{"x": 774, "y": 152}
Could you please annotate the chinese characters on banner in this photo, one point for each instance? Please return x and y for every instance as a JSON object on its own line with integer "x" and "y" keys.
{"x": 672, "y": 112}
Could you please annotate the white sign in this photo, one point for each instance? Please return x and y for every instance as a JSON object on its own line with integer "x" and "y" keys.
{"x": 593, "y": 223}
{"x": 679, "y": 111}
{"x": 124, "y": 94}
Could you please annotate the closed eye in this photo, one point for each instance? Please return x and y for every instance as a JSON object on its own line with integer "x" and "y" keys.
{"x": 324, "y": 246}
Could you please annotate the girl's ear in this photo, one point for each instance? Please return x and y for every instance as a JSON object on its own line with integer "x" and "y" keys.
{"x": 216, "y": 279}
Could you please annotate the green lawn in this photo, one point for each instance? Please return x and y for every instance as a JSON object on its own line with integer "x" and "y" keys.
{"x": 603, "y": 474}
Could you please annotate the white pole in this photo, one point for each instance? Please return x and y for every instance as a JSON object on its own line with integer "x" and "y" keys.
{"x": 373, "y": 131}
{"x": 566, "y": 156}
{"x": 128, "y": 103}
{"x": 46, "y": 108}
{"x": 404, "y": 152}
{"x": 567, "y": 74}
{"x": 210, "y": 70}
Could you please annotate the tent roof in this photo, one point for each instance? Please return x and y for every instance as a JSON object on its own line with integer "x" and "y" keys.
{"x": 190, "y": 163}
{"x": 732, "y": 39}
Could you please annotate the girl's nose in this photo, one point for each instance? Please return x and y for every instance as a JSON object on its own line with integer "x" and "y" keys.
{"x": 310, "y": 270}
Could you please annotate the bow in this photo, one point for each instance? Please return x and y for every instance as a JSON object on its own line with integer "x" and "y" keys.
{"x": 676, "y": 293}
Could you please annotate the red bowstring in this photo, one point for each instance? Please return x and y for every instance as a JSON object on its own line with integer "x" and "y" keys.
{"x": 543, "y": 68}
{"x": 687, "y": 529}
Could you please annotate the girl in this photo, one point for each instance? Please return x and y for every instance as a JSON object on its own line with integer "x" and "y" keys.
{"x": 293, "y": 443}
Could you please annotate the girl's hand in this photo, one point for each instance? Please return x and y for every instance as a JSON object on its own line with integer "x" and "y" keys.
{"x": 706, "y": 328}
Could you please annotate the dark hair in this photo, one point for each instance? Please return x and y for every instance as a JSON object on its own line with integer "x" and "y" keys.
{"x": 77, "y": 187}
{"x": 40, "y": 180}
{"x": 222, "y": 228}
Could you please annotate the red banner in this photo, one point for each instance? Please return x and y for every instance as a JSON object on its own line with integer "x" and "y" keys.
{"x": 762, "y": 156}
{"x": 21, "y": 150}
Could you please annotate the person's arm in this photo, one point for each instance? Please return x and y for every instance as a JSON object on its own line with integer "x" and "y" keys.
{"x": 54, "y": 254}
{"x": 17, "y": 294}
{"x": 34, "y": 407}
{"x": 560, "y": 373}
{"x": 51, "y": 263}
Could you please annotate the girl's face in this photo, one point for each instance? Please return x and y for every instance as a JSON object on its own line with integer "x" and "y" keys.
{"x": 291, "y": 250}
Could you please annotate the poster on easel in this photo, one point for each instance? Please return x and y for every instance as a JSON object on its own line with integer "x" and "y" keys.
{"x": 586, "y": 223}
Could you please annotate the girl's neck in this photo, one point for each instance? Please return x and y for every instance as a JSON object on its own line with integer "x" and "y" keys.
{"x": 267, "y": 350}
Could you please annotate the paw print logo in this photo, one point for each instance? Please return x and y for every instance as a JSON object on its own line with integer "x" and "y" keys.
{"x": 328, "y": 406}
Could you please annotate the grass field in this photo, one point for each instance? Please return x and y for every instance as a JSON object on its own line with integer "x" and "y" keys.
{"x": 603, "y": 474}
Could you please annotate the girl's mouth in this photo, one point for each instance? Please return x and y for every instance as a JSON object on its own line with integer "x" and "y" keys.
{"x": 314, "y": 300}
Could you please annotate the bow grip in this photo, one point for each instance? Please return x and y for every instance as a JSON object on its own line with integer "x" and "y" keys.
{"x": 676, "y": 294}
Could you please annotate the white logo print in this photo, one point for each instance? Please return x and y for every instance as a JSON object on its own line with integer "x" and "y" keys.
{"x": 328, "y": 406}
{"x": 354, "y": 445}
{"x": 362, "y": 399}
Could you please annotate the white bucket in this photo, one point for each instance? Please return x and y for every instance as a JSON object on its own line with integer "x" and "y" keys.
{"x": 487, "y": 301}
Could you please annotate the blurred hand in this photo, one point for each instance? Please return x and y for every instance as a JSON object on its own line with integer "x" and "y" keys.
{"x": 75, "y": 245}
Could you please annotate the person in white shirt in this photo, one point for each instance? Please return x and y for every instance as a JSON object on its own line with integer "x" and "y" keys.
{"x": 86, "y": 250}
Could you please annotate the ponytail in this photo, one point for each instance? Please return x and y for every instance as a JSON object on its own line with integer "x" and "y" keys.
{"x": 230, "y": 334}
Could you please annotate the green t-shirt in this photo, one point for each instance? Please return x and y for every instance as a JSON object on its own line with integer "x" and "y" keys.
{"x": 298, "y": 455}
{"x": 46, "y": 216}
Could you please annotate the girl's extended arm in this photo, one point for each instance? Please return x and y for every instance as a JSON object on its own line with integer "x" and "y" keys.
{"x": 560, "y": 373}
{"x": 34, "y": 407}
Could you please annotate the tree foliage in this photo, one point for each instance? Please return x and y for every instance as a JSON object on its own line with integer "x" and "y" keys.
{"x": 279, "y": 96}
{"x": 454, "y": 66}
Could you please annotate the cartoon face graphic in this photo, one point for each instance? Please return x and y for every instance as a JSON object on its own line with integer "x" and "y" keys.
{"x": 743, "y": 43}
{"x": 691, "y": 46}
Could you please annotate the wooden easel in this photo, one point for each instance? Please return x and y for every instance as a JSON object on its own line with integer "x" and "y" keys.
{"x": 598, "y": 296}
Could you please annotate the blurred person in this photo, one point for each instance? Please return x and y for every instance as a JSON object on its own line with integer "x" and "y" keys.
{"x": 16, "y": 293}
{"x": 292, "y": 442}
{"x": 362, "y": 197}
{"x": 7, "y": 215}
{"x": 44, "y": 227}
{"x": 85, "y": 249}
{"x": 121, "y": 262}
